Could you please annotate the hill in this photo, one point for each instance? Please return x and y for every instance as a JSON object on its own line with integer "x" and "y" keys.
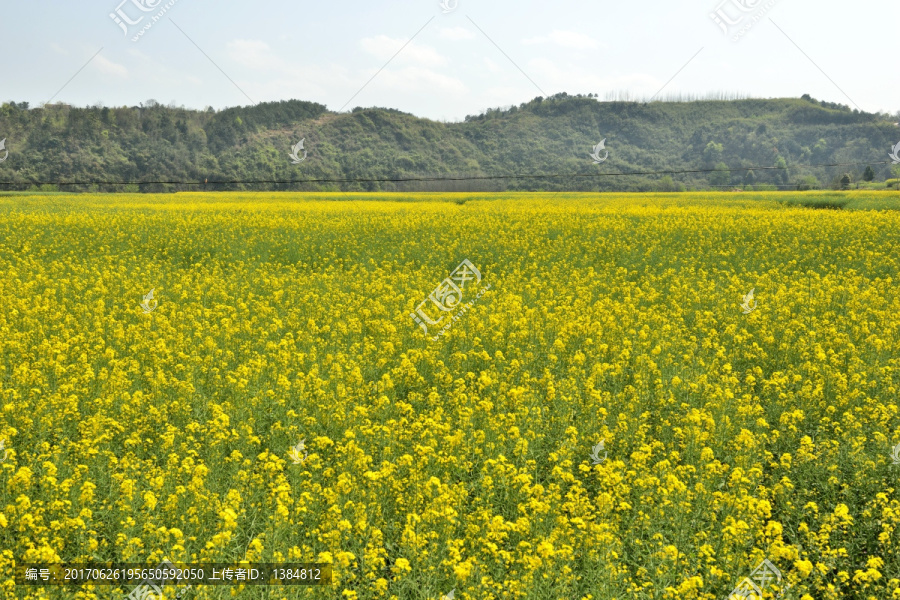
{"x": 544, "y": 137}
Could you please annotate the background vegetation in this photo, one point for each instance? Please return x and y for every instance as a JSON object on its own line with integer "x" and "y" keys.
{"x": 547, "y": 136}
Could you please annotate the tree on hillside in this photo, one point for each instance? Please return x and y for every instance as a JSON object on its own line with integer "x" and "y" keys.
{"x": 781, "y": 174}
{"x": 820, "y": 150}
{"x": 721, "y": 176}
{"x": 846, "y": 180}
{"x": 712, "y": 153}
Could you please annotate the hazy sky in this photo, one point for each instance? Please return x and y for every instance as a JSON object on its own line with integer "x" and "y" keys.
{"x": 480, "y": 54}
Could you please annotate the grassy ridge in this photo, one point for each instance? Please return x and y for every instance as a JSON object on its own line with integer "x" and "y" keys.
{"x": 546, "y": 136}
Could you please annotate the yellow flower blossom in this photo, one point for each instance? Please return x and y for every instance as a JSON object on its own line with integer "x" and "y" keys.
{"x": 462, "y": 463}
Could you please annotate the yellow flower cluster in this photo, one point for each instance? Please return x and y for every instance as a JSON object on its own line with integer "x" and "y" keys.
{"x": 463, "y": 463}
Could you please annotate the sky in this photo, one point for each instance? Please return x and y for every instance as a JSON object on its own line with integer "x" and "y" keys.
{"x": 444, "y": 62}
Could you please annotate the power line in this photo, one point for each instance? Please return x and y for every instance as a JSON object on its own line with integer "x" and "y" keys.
{"x": 435, "y": 179}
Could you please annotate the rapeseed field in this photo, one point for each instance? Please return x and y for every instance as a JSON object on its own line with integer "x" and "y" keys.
{"x": 614, "y": 418}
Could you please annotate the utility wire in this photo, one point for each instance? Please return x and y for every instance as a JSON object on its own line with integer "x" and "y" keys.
{"x": 430, "y": 179}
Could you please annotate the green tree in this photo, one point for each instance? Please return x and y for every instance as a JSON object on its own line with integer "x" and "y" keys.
{"x": 869, "y": 175}
{"x": 667, "y": 184}
{"x": 781, "y": 174}
{"x": 820, "y": 149}
{"x": 712, "y": 153}
{"x": 846, "y": 180}
{"x": 808, "y": 183}
{"x": 721, "y": 176}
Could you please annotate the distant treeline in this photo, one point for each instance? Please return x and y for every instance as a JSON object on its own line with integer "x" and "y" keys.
{"x": 99, "y": 146}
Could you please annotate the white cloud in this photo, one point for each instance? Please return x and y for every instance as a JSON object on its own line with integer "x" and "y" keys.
{"x": 384, "y": 48}
{"x": 497, "y": 96}
{"x": 276, "y": 77}
{"x": 491, "y": 65}
{"x": 410, "y": 72}
{"x": 577, "y": 79}
{"x": 255, "y": 54}
{"x": 455, "y": 33}
{"x": 418, "y": 79}
{"x": 104, "y": 65}
{"x": 566, "y": 39}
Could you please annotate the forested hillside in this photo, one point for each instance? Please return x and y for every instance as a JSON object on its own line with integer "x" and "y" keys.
{"x": 100, "y": 146}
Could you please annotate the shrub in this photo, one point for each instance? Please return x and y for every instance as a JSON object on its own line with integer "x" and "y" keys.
{"x": 667, "y": 184}
{"x": 846, "y": 180}
{"x": 810, "y": 182}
